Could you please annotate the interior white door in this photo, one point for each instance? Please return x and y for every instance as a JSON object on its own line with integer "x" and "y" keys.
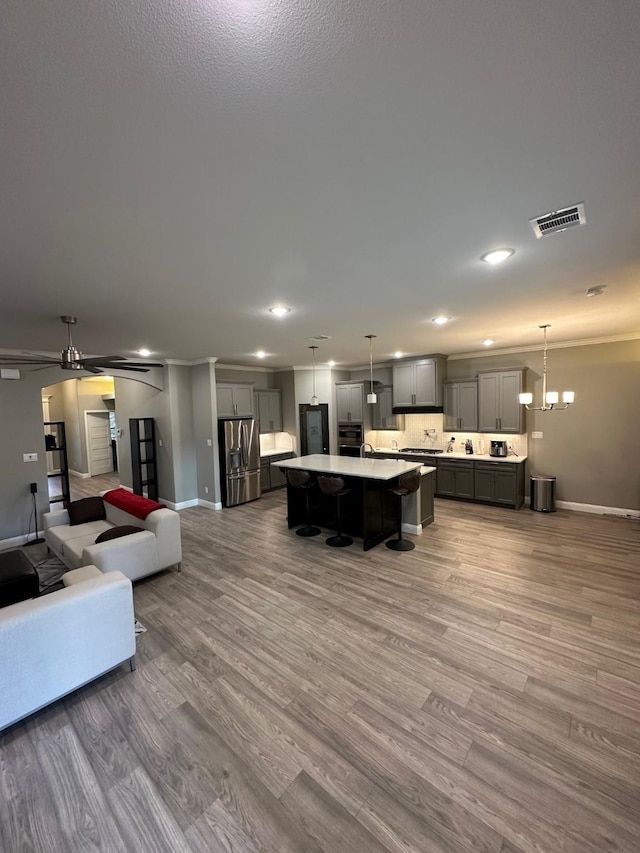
{"x": 99, "y": 443}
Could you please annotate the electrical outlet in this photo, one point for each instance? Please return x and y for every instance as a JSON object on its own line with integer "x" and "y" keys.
{"x": 159, "y": 442}
{"x": 209, "y": 443}
{"x": 206, "y": 490}
{"x": 29, "y": 457}
{"x": 536, "y": 434}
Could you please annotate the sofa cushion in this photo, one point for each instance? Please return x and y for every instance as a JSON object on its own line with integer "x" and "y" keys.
{"x": 86, "y": 509}
{"x": 73, "y": 549}
{"x": 117, "y": 532}
{"x": 61, "y": 533}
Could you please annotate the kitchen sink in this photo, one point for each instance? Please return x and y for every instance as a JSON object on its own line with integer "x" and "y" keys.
{"x": 422, "y": 450}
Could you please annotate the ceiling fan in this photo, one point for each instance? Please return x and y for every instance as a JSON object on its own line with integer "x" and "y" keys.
{"x": 73, "y": 359}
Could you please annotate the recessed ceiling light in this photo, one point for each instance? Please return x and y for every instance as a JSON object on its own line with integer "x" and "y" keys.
{"x": 397, "y": 354}
{"x": 144, "y": 352}
{"x": 331, "y": 363}
{"x": 261, "y": 353}
{"x": 279, "y": 310}
{"x": 488, "y": 342}
{"x": 497, "y": 256}
{"x": 440, "y": 321}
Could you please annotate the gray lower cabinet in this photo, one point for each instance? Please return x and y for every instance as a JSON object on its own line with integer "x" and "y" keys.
{"x": 455, "y": 478}
{"x": 500, "y": 483}
{"x": 270, "y": 477}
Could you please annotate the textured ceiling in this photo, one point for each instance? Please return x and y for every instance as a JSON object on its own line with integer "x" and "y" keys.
{"x": 171, "y": 168}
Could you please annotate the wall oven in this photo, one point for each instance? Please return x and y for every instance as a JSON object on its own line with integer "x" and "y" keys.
{"x": 350, "y": 437}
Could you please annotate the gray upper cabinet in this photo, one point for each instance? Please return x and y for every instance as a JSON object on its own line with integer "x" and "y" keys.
{"x": 498, "y": 406}
{"x": 418, "y": 383}
{"x": 461, "y": 406}
{"x": 234, "y": 400}
{"x": 350, "y": 402}
{"x": 383, "y": 417}
{"x": 268, "y": 409}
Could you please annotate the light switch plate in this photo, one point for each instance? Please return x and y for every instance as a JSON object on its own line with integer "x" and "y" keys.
{"x": 29, "y": 457}
{"x": 537, "y": 434}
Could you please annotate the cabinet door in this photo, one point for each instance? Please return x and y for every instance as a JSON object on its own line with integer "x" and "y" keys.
{"x": 483, "y": 487}
{"x": 510, "y": 411}
{"x": 464, "y": 482}
{"x": 403, "y": 385}
{"x": 265, "y": 475}
{"x": 356, "y": 403}
{"x": 343, "y": 403}
{"x": 505, "y": 487}
{"x": 386, "y": 418}
{"x": 275, "y": 412}
{"x": 224, "y": 397}
{"x": 425, "y": 384}
{"x": 261, "y": 405}
{"x": 468, "y": 406}
{"x": 488, "y": 399}
{"x": 278, "y": 478}
{"x": 243, "y": 401}
{"x": 451, "y": 407}
{"x": 446, "y": 481}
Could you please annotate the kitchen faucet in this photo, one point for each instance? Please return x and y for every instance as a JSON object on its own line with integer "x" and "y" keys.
{"x": 362, "y": 448}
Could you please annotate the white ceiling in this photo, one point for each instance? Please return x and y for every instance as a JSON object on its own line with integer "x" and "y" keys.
{"x": 171, "y": 169}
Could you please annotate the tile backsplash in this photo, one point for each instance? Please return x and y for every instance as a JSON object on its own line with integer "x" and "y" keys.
{"x": 276, "y": 441}
{"x": 413, "y": 436}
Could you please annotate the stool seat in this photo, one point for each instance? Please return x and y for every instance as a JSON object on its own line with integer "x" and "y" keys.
{"x": 303, "y": 480}
{"x": 334, "y": 487}
{"x": 18, "y": 578}
{"x": 407, "y": 484}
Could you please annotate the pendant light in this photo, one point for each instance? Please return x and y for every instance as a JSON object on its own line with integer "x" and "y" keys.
{"x": 371, "y": 397}
{"x": 314, "y": 399}
{"x": 549, "y": 398}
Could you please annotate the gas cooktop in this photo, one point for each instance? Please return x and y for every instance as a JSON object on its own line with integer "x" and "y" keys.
{"x": 423, "y": 450}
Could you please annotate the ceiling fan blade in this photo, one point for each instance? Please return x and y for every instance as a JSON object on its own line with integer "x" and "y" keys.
{"x": 125, "y": 367}
{"x": 5, "y": 359}
{"x": 91, "y": 369}
{"x": 46, "y": 366}
{"x": 104, "y": 359}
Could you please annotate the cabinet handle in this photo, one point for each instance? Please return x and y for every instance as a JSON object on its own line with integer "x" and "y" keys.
{"x": 499, "y": 423}
{"x": 235, "y": 408}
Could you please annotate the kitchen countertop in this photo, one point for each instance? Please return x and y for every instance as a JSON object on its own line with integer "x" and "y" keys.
{"x": 477, "y": 457}
{"x": 273, "y": 452}
{"x": 351, "y": 466}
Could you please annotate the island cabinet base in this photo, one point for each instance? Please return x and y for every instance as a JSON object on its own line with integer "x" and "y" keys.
{"x": 369, "y": 511}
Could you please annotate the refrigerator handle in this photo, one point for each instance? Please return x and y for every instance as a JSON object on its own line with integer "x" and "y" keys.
{"x": 243, "y": 444}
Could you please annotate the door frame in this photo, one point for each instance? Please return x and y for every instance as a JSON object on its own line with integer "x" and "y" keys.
{"x": 86, "y": 436}
{"x": 303, "y": 408}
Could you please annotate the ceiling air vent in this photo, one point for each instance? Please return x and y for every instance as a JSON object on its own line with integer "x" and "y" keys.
{"x": 558, "y": 220}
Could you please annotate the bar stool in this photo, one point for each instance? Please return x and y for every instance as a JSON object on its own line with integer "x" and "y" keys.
{"x": 333, "y": 487}
{"x": 407, "y": 484}
{"x": 303, "y": 480}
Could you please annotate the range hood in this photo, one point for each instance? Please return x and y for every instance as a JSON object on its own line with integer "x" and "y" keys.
{"x": 418, "y": 410}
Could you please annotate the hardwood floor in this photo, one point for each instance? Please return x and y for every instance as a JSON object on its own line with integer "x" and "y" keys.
{"x": 479, "y": 694}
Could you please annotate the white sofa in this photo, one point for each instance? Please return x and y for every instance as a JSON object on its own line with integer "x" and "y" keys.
{"x": 157, "y": 547}
{"x": 56, "y": 643}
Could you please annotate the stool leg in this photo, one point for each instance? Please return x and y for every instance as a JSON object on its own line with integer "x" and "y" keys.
{"x": 399, "y": 544}
{"x": 307, "y": 529}
{"x": 339, "y": 541}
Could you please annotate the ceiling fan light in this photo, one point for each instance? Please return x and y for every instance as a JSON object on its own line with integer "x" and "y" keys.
{"x": 568, "y": 397}
{"x": 526, "y": 398}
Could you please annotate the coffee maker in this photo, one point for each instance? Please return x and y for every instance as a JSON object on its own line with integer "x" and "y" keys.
{"x": 498, "y": 448}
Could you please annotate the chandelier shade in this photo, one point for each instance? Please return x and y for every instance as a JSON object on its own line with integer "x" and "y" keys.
{"x": 371, "y": 396}
{"x": 550, "y": 399}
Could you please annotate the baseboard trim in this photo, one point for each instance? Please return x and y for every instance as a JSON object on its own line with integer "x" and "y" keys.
{"x": 184, "y": 504}
{"x": 619, "y": 512}
{"x": 13, "y": 542}
{"x": 79, "y": 475}
{"x": 413, "y": 529}
{"x": 210, "y": 504}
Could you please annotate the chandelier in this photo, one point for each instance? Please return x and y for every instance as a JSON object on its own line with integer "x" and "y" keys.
{"x": 550, "y": 399}
{"x": 371, "y": 396}
{"x": 314, "y": 399}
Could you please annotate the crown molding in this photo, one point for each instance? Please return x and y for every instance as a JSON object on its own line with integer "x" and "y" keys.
{"x": 585, "y": 342}
{"x": 246, "y": 368}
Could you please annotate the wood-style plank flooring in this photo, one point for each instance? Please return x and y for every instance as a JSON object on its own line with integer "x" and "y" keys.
{"x": 480, "y": 694}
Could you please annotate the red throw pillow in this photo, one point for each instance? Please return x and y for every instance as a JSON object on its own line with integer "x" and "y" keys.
{"x": 86, "y": 509}
{"x": 117, "y": 532}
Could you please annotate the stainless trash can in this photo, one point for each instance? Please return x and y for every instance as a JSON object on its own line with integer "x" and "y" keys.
{"x": 543, "y": 494}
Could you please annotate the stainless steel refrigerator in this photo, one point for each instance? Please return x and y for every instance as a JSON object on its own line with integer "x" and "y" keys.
{"x": 239, "y": 460}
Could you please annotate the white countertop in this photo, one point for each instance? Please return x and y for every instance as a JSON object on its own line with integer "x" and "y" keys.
{"x": 350, "y": 466}
{"x": 477, "y": 457}
{"x": 273, "y": 452}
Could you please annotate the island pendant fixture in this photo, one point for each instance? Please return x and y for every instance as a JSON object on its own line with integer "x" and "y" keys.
{"x": 314, "y": 399}
{"x": 549, "y": 398}
{"x": 371, "y": 397}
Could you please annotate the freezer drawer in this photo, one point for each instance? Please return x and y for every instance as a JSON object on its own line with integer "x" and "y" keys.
{"x": 242, "y": 488}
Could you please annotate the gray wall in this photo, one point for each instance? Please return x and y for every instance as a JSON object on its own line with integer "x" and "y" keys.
{"x": 593, "y": 447}
{"x": 182, "y": 433}
{"x": 205, "y": 428}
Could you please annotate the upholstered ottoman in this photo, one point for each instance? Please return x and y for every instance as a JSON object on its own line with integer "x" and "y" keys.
{"x": 18, "y": 578}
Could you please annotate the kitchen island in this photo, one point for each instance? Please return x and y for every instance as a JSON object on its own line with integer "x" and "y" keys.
{"x": 369, "y": 511}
